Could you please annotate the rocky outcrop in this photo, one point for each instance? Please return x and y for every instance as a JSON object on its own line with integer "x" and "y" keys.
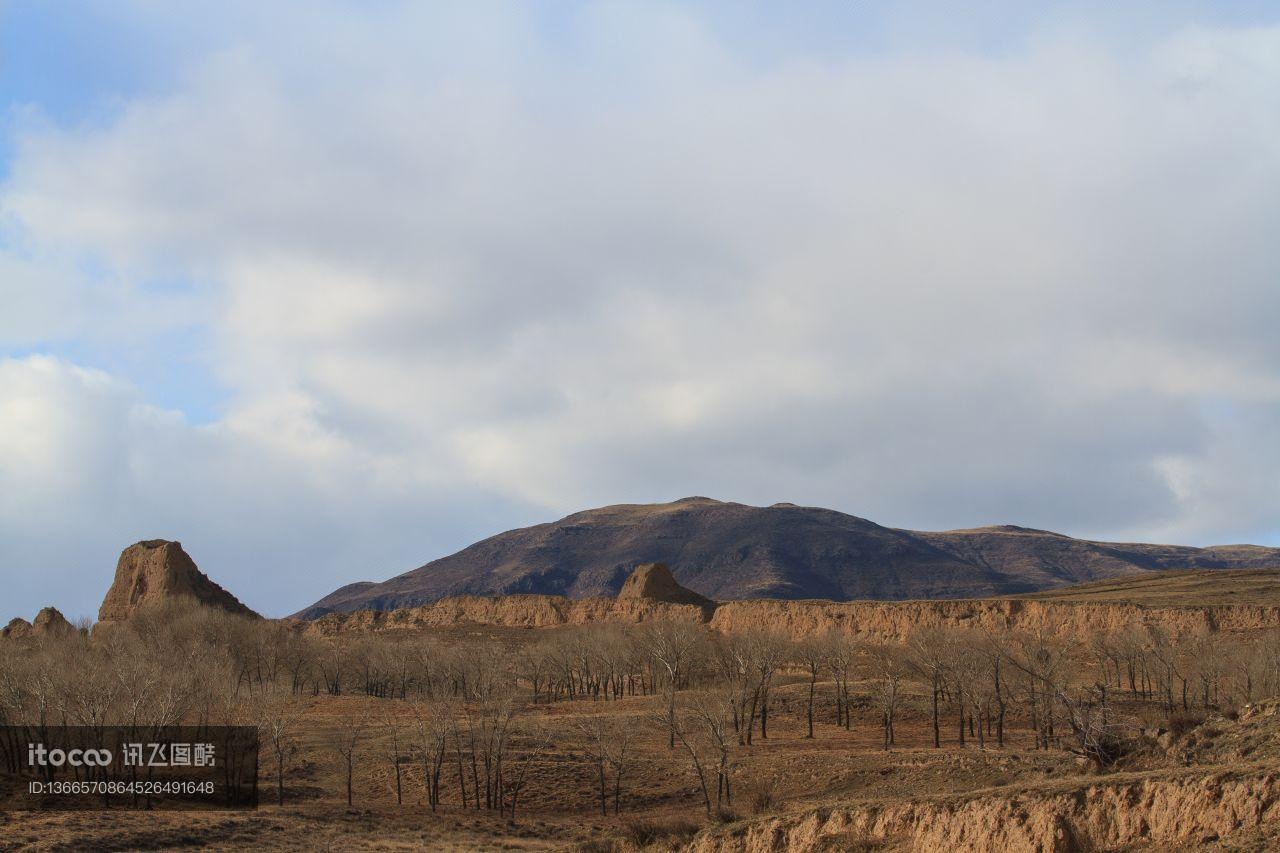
{"x": 156, "y": 571}
{"x": 50, "y": 622}
{"x": 1182, "y": 810}
{"x": 17, "y": 629}
{"x": 654, "y": 582}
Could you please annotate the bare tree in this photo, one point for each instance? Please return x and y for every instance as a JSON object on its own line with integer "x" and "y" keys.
{"x": 812, "y": 655}
{"x": 517, "y": 775}
{"x": 704, "y": 728}
{"x": 672, "y": 645}
{"x": 608, "y": 742}
{"x": 928, "y": 652}
{"x": 345, "y": 740}
{"x": 433, "y": 722}
{"x": 281, "y": 716}
{"x": 842, "y": 655}
{"x": 395, "y": 751}
{"x": 888, "y": 672}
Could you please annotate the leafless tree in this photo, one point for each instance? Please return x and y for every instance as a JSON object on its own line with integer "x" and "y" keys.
{"x": 929, "y": 652}
{"x": 704, "y": 728}
{"x": 672, "y": 646}
{"x": 433, "y": 723}
{"x": 280, "y": 713}
{"x": 345, "y": 742}
{"x": 812, "y": 655}
{"x": 888, "y": 671}
{"x": 395, "y": 751}
{"x": 608, "y": 747}
{"x": 842, "y": 656}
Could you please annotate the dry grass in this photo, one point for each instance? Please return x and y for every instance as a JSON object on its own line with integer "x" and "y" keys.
{"x": 662, "y": 807}
{"x": 1259, "y": 587}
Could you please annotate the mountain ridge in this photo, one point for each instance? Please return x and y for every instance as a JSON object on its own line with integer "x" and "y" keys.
{"x": 726, "y": 551}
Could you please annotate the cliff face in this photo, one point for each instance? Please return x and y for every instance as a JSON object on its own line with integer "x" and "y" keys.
{"x": 884, "y": 621}
{"x": 157, "y": 570}
{"x": 1184, "y": 810}
{"x": 515, "y": 611}
{"x": 869, "y": 620}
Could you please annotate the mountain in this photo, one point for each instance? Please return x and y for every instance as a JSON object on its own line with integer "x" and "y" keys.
{"x": 732, "y": 551}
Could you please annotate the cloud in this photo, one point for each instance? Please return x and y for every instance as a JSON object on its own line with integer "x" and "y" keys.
{"x": 270, "y": 502}
{"x": 475, "y": 269}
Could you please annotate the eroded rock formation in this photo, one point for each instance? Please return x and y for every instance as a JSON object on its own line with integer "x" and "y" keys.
{"x": 16, "y": 629}
{"x": 50, "y": 622}
{"x": 654, "y": 582}
{"x": 155, "y": 571}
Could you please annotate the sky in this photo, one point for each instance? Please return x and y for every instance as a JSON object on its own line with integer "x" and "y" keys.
{"x": 328, "y": 290}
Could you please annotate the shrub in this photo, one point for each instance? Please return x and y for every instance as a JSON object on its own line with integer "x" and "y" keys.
{"x": 726, "y": 815}
{"x": 760, "y": 796}
{"x": 1181, "y": 722}
{"x": 642, "y": 833}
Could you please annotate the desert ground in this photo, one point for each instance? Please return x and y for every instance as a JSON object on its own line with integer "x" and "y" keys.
{"x": 1141, "y": 738}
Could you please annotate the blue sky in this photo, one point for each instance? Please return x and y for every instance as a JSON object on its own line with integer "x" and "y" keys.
{"x": 328, "y": 290}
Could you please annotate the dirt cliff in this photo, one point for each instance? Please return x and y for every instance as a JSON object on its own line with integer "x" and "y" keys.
{"x": 870, "y": 620}
{"x": 517, "y": 611}
{"x": 882, "y": 620}
{"x": 157, "y": 570}
{"x": 1183, "y": 809}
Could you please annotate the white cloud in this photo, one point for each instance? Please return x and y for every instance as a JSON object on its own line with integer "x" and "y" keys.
{"x": 468, "y": 263}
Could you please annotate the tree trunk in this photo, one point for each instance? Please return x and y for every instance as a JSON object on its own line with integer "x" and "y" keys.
{"x": 937, "y": 731}
{"x": 604, "y": 811}
{"x": 812, "y": 680}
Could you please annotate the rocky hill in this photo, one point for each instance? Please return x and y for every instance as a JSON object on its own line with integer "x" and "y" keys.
{"x": 732, "y": 551}
{"x": 158, "y": 570}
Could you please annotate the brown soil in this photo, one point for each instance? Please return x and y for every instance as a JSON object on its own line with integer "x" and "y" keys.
{"x": 839, "y": 791}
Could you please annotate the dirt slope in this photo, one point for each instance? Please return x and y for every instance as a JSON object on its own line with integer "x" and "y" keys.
{"x": 1186, "y": 809}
